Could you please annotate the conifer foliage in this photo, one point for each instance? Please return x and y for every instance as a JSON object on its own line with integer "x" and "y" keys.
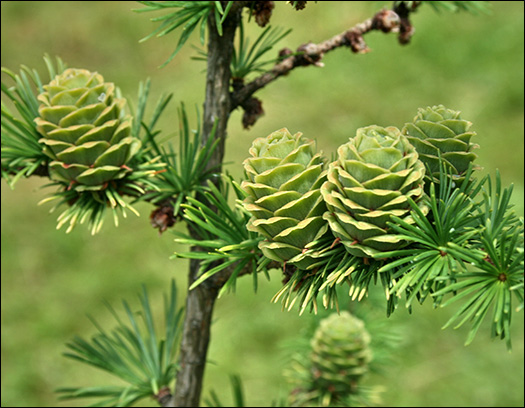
{"x": 401, "y": 208}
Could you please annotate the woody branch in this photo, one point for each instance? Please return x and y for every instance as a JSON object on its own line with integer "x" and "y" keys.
{"x": 395, "y": 20}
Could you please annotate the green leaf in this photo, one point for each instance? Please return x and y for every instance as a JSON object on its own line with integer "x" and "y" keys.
{"x": 186, "y": 171}
{"x": 21, "y": 152}
{"x": 225, "y": 241}
{"x": 188, "y": 15}
{"x": 132, "y": 352}
{"x": 237, "y": 392}
{"x": 248, "y": 59}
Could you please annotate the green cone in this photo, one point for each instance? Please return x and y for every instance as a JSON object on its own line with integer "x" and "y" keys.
{"x": 439, "y": 131}
{"x": 331, "y": 374}
{"x": 85, "y": 130}
{"x": 285, "y": 174}
{"x": 340, "y": 354}
{"x": 375, "y": 173}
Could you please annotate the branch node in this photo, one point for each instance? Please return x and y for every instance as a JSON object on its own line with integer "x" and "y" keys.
{"x": 356, "y": 42}
{"x": 309, "y": 54}
{"x": 386, "y": 21}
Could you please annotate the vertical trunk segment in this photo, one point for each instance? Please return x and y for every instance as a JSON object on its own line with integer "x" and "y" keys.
{"x": 200, "y": 301}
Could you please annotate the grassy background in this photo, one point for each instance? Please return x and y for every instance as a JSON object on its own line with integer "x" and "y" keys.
{"x": 50, "y": 280}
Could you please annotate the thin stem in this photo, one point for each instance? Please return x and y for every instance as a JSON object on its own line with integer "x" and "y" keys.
{"x": 311, "y": 54}
{"x": 200, "y": 301}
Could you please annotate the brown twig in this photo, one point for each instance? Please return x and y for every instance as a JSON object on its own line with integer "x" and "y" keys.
{"x": 406, "y": 30}
{"x": 312, "y": 54}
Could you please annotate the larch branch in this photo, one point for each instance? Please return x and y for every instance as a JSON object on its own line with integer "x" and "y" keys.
{"x": 395, "y": 20}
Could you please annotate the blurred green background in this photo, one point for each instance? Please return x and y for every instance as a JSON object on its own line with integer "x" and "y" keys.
{"x": 51, "y": 280}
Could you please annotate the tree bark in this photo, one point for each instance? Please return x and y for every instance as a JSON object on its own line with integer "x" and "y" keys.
{"x": 194, "y": 343}
{"x": 200, "y": 301}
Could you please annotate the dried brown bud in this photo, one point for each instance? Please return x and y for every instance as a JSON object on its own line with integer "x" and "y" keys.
{"x": 356, "y": 42}
{"x": 253, "y": 110}
{"x": 262, "y": 11}
{"x": 386, "y": 21}
{"x": 162, "y": 217}
{"x": 406, "y": 31}
{"x": 164, "y": 396}
{"x": 298, "y": 5}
